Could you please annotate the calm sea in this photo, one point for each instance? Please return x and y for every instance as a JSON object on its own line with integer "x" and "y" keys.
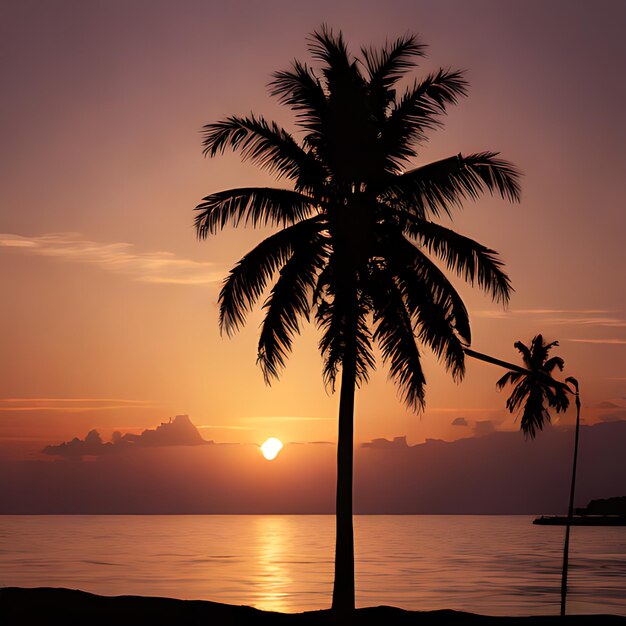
{"x": 487, "y": 564}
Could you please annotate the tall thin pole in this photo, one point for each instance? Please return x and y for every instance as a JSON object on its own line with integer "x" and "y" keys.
{"x": 570, "y": 508}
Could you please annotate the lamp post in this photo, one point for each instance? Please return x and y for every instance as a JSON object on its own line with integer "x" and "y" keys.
{"x": 570, "y": 508}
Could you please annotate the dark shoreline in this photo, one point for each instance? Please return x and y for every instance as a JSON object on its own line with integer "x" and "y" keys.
{"x": 33, "y": 606}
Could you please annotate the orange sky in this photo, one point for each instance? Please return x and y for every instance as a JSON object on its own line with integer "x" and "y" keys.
{"x": 108, "y": 316}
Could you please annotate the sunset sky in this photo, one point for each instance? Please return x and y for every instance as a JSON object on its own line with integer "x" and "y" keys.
{"x": 109, "y": 318}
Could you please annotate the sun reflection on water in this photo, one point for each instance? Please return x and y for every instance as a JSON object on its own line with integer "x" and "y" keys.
{"x": 274, "y": 576}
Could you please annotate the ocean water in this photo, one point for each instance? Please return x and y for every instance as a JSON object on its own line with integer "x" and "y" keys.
{"x": 498, "y": 565}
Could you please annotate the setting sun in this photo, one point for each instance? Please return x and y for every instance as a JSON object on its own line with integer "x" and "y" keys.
{"x": 271, "y": 448}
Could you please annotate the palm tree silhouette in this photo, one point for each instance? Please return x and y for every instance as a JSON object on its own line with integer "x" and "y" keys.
{"x": 534, "y": 392}
{"x": 357, "y": 232}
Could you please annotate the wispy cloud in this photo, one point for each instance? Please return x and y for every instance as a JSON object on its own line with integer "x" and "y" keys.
{"x": 566, "y": 313}
{"x": 610, "y": 322}
{"x": 461, "y": 410}
{"x": 218, "y": 427}
{"x": 83, "y": 400}
{"x": 587, "y": 318}
{"x": 121, "y": 258}
{"x": 608, "y": 342}
{"x": 72, "y": 405}
{"x": 602, "y": 317}
{"x": 286, "y": 418}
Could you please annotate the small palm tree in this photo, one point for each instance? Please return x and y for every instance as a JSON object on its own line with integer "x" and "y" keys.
{"x": 534, "y": 392}
{"x": 357, "y": 232}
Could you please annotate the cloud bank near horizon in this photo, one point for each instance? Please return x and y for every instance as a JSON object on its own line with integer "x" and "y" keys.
{"x": 498, "y": 473}
{"x": 179, "y": 431}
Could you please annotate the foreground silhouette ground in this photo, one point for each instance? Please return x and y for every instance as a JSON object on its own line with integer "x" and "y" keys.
{"x": 19, "y": 606}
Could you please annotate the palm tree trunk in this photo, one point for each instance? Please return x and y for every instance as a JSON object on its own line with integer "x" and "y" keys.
{"x": 343, "y": 590}
{"x": 570, "y": 510}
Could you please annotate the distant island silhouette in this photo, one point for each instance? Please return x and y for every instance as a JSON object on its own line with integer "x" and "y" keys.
{"x": 602, "y": 512}
{"x": 179, "y": 431}
{"x": 604, "y": 506}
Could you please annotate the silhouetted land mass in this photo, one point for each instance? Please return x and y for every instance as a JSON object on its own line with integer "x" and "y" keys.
{"x": 604, "y": 506}
{"x": 25, "y": 607}
{"x": 603, "y": 512}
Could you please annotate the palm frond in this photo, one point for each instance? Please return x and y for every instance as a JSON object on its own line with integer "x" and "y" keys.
{"x": 535, "y": 414}
{"x": 335, "y": 326}
{"x": 265, "y": 144}
{"x": 418, "y": 111}
{"x": 519, "y": 394}
{"x": 469, "y": 259}
{"x": 433, "y": 323}
{"x": 385, "y": 66}
{"x": 301, "y": 90}
{"x": 394, "y": 334}
{"x": 248, "y": 279}
{"x": 437, "y": 187}
{"x": 525, "y": 352}
{"x": 331, "y": 49}
{"x": 288, "y": 302}
{"x": 255, "y": 206}
{"x": 491, "y": 174}
{"x": 557, "y": 398}
{"x": 421, "y": 278}
{"x": 550, "y": 364}
{"x": 347, "y": 141}
{"x": 332, "y": 342}
{"x": 342, "y": 313}
{"x": 346, "y": 94}
{"x": 508, "y": 378}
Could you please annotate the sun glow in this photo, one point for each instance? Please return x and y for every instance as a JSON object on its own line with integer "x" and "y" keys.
{"x": 271, "y": 448}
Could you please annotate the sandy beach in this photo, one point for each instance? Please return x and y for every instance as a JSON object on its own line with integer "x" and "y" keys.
{"x": 27, "y": 607}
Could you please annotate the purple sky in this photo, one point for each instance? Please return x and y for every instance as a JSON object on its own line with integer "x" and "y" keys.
{"x": 108, "y": 318}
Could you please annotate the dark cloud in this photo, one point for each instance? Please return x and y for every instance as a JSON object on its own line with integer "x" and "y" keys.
{"x": 91, "y": 445}
{"x": 484, "y": 427}
{"x": 385, "y": 444}
{"x": 177, "y": 432}
{"x": 460, "y": 421}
